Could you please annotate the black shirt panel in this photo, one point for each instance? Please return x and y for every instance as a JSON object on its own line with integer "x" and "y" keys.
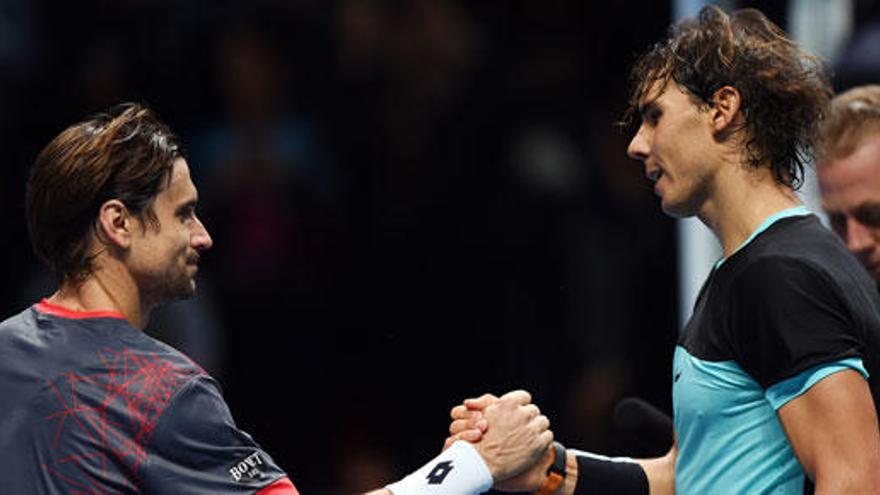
{"x": 789, "y": 316}
{"x": 790, "y": 299}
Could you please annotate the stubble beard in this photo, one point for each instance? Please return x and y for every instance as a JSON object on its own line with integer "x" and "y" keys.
{"x": 174, "y": 284}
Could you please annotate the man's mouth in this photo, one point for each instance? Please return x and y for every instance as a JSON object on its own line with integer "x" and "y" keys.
{"x": 654, "y": 175}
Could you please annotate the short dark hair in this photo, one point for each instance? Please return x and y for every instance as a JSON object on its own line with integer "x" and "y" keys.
{"x": 126, "y": 153}
{"x": 854, "y": 115}
{"x": 785, "y": 92}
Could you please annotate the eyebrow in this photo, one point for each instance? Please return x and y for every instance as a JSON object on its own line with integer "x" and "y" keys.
{"x": 859, "y": 211}
{"x": 867, "y": 207}
{"x": 191, "y": 204}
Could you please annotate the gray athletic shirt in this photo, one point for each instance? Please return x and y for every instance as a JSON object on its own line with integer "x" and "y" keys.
{"x": 91, "y": 405}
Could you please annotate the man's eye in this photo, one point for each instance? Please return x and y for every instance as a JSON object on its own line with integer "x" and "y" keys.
{"x": 870, "y": 217}
{"x": 186, "y": 213}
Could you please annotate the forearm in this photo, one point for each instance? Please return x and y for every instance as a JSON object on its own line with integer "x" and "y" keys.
{"x": 460, "y": 469}
{"x": 661, "y": 474}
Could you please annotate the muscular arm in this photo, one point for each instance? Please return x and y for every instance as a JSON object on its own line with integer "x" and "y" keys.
{"x": 833, "y": 431}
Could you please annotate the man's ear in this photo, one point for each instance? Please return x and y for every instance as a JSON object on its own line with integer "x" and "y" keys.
{"x": 115, "y": 224}
{"x": 725, "y": 111}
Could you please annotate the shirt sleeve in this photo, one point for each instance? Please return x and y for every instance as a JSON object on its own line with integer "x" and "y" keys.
{"x": 196, "y": 448}
{"x": 787, "y": 317}
{"x": 789, "y": 389}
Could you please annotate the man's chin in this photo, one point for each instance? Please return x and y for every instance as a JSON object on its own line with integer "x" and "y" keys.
{"x": 188, "y": 291}
{"x": 180, "y": 293}
{"x": 675, "y": 211}
{"x": 680, "y": 207}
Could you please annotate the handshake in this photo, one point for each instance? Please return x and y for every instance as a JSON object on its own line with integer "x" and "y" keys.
{"x": 506, "y": 443}
{"x": 511, "y": 436}
{"x": 501, "y": 442}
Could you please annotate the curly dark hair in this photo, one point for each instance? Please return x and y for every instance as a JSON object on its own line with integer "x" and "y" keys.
{"x": 785, "y": 93}
{"x": 125, "y": 154}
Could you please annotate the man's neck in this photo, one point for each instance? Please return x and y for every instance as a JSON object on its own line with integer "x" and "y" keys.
{"x": 104, "y": 290}
{"x": 744, "y": 198}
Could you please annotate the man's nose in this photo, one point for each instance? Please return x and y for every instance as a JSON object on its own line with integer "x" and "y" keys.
{"x": 201, "y": 239}
{"x": 639, "y": 147}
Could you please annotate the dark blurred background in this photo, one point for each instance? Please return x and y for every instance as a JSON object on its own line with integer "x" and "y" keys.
{"x": 412, "y": 202}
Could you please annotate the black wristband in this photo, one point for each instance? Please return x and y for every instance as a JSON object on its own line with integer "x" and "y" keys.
{"x": 558, "y": 465}
{"x": 555, "y": 472}
{"x": 600, "y": 476}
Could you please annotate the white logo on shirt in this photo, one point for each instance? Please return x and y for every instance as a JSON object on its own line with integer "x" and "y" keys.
{"x": 250, "y": 467}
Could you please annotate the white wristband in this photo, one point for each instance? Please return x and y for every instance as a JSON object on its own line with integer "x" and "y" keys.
{"x": 457, "y": 471}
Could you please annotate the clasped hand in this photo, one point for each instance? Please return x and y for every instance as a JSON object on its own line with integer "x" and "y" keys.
{"x": 511, "y": 435}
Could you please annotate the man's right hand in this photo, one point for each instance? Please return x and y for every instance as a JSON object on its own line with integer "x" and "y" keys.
{"x": 509, "y": 432}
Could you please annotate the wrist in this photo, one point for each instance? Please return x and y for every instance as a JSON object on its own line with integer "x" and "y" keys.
{"x": 556, "y": 472}
{"x": 571, "y": 474}
{"x": 459, "y": 469}
{"x": 601, "y": 474}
